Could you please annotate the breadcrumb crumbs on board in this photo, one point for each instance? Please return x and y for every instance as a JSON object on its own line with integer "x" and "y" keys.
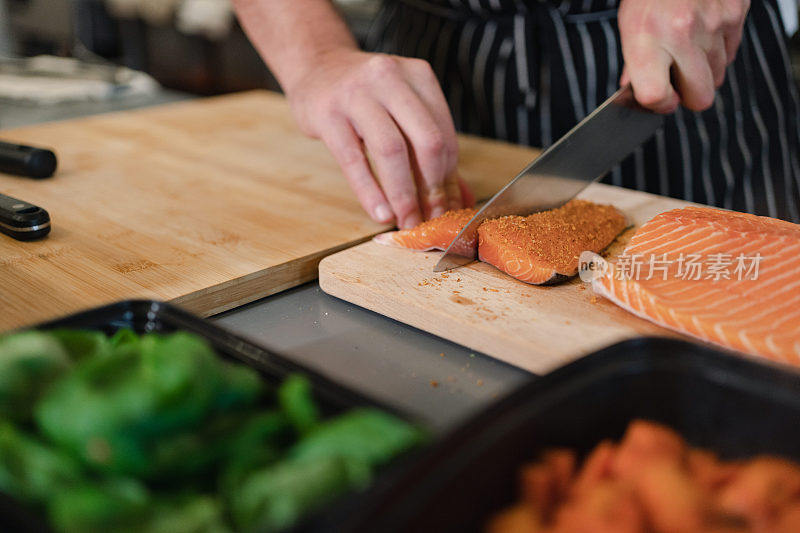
{"x": 480, "y": 383}
{"x": 593, "y": 299}
{"x": 434, "y": 383}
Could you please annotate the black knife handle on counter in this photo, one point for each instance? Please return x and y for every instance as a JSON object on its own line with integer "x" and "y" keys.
{"x": 21, "y": 220}
{"x": 27, "y": 160}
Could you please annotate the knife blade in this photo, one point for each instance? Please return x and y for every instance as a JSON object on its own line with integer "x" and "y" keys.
{"x": 582, "y": 156}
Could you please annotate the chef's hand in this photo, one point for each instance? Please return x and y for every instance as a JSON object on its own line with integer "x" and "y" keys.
{"x": 696, "y": 39}
{"x": 391, "y": 109}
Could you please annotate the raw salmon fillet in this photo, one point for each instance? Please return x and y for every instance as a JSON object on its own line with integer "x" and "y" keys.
{"x": 544, "y": 248}
{"x": 434, "y": 234}
{"x": 745, "y": 295}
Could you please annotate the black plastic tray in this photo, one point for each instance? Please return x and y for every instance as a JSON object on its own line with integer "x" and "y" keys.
{"x": 734, "y": 406}
{"x": 152, "y": 316}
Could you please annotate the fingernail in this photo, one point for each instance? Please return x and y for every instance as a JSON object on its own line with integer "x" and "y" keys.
{"x": 412, "y": 221}
{"x": 382, "y": 213}
{"x": 437, "y": 211}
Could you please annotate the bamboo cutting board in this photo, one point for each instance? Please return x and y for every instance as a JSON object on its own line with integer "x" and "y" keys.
{"x": 210, "y": 204}
{"x": 534, "y": 328}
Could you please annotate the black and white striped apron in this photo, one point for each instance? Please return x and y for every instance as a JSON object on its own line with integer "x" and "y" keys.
{"x": 527, "y": 71}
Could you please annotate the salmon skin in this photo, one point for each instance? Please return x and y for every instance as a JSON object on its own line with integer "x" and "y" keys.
{"x": 435, "y": 234}
{"x": 542, "y": 248}
{"x": 744, "y": 295}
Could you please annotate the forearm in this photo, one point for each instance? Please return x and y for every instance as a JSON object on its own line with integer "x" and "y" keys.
{"x": 293, "y": 35}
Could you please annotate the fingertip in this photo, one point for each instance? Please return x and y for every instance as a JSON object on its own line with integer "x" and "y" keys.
{"x": 382, "y": 214}
{"x": 437, "y": 211}
{"x": 668, "y": 106}
{"x": 410, "y": 221}
{"x": 625, "y": 78}
{"x": 467, "y": 196}
{"x": 672, "y": 104}
{"x": 654, "y": 96}
{"x": 436, "y": 201}
{"x": 699, "y": 100}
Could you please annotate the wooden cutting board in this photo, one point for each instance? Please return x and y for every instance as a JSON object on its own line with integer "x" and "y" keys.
{"x": 210, "y": 204}
{"x": 535, "y": 328}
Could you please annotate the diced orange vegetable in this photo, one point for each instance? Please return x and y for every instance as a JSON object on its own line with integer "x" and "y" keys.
{"x": 562, "y": 464}
{"x": 538, "y": 488}
{"x": 672, "y": 501}
{"x": 708, "y": 470}
{"x": 652, "y": 482}
{"x": 596, "y": 468}
{"x": 517, "y": 519}
{"x": 760, "y": 488}
{"x": 789, "y": 520}
{"x": 646, "y": 441}
{"x": 607, "y": 506}
{"x": 545, "y": 483}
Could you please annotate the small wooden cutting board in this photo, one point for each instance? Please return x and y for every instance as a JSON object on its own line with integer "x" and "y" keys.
{"x": 534, "y": 328}
{"x": 210, "y": 204}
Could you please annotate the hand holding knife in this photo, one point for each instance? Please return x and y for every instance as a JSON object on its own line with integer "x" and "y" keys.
{"x": 582, "y": 156}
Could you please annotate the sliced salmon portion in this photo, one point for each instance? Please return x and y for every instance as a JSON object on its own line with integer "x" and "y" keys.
{"x": 435, "y": 234}
{"x": 744, "y": 295}
{"x": 544, "y": 248}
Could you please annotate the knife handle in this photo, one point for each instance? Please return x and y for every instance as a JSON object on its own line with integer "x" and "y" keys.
{"x": 27, "y": 161}
{"x": 21, "y": 220}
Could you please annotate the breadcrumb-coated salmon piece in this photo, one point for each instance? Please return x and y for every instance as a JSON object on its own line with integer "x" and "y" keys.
{"x": 434, "y": 234}
{"x": 541, "y": 249}
{"x": 544, "y": 248}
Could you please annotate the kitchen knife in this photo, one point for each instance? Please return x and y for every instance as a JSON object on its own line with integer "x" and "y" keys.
{"x": 27, "y": 161}
{"x": 585, "y": 154}
{"x": 21, "y": 220}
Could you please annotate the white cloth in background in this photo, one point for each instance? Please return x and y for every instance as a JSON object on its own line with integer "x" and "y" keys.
{"x": 789, "y": 14}
{"x": 212, "y": 19}
{"x": 43, "y": 80}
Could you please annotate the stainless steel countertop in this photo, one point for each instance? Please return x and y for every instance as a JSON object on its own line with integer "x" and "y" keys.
{"x": 436, "y": 381}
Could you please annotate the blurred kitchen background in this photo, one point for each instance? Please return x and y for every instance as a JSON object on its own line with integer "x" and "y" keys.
{"x": 168, "y": 48}
{"x": 65, "y": 58}
{"x": 189, "y": 45}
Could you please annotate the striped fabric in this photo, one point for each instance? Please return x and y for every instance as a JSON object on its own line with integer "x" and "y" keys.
{"x": 527, "y": 71}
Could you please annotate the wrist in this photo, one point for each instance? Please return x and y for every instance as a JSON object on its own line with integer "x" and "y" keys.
{"x": 313, "y": 60}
